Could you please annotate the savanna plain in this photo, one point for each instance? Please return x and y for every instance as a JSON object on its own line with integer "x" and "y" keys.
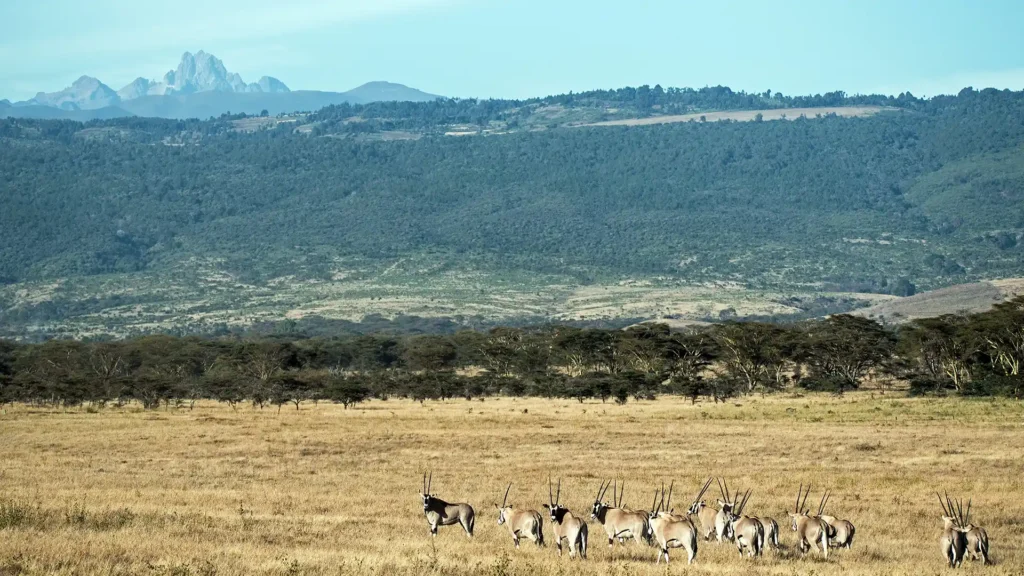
{"x": 325, "y": 490}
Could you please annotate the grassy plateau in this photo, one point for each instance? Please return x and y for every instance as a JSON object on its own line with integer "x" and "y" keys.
{"x": 323, "y": 490}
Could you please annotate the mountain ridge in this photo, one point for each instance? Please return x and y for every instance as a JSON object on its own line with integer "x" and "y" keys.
{"x": 199, "y": 87}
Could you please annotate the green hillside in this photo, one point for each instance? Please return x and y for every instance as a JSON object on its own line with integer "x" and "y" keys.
{"x": 925, "y": 193}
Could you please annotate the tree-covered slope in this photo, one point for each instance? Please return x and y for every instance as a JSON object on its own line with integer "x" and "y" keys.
{"x": 914, "y": 193}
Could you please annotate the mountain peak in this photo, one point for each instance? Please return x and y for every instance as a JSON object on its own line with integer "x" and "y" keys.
{"x": 86, "y": 93}
{"x": 201, "y": 72}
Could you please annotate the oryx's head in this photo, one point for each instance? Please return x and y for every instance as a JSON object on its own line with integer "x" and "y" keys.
{"x": 556, "y": 510}
{"x": 505, "y": 507}
{"x": 697, "y": 504}
{"x": 799, "y": 511}
{"x": 428, "y": 498}
{"x": 599, "y": 505}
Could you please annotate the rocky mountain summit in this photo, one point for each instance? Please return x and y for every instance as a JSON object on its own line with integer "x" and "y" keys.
{"x": 199, "y": 72}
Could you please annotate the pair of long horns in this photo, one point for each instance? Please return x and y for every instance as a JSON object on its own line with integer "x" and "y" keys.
{"x": 558, "y": 494}
{"x": 427, "y": 481}
{"x": 743, "y": 503}
{"x": 663, "y": 504}
{"x": 824, "y": 500}
{"x": 956, "y": 512}
{"x": 723, "y": 488}
{"x": 702, "y": 491}
{"x": 800, "y": 493}
{"x": 616, "y": 493}
{"x": 505, "y": 499}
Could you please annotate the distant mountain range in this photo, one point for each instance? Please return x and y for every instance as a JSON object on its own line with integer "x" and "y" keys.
{"x": 199, "y": 87}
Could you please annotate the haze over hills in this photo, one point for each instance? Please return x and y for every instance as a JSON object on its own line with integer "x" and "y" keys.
{"x": 507, "y": 210}
{"x": 200, "y": 87}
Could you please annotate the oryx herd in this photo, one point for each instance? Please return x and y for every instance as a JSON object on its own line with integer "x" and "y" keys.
{"x": 663, "y": 528}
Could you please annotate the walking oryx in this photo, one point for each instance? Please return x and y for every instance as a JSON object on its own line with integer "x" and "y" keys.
{"x": 746, "y": 531}
{"x": 841, "y": 535}
{"x": 672, "y": 530}
{"x": 810, "y": 530}
{"x": 566, "y": 525}
{"x": 441, "y": 513}
{"x": 520, "y": 523}
{"x": 618, "y": 522}
{"x": 953, "y": 542}
{"x": 706, "y": 514}
{"x": 725, "y": 506}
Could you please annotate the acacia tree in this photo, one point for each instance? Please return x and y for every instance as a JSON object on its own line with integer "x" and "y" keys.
{"x": 842, "y": 349}
{"x": 750, "y": 352}
{"x": 942, "y": 348}
{"x": 687, "y": 357}
{"x": 1002, "y": 332}
{"x": 430, "y": 352}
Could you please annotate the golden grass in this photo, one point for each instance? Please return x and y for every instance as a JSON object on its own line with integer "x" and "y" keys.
{"x": 329, "y": 491}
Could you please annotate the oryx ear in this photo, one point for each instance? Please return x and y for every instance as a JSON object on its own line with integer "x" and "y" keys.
{"x": 496, "y": 505}
{"x": 720, "y": 503}
{"x": 547, "y": 506}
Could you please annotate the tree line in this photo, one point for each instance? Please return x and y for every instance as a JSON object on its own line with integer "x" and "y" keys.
{"x": 979, "y": 354}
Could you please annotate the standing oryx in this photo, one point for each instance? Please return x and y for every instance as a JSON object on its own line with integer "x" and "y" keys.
{"x": 810, "y": 530}
{"x": 953, "y": 542}
{"x": 706, "y": 514}
{"x": 520, "y": 523}
{"x": 566, "y": 525}
{"x": 746, "y": 531}
{"x": 441, "y": 513}
{"x": 976, "y": 538}
{"x": 618, "y": 522}
{"x": 672, "y": 530}
{"x": 725, "y": 506}
{"x": 842, "y": 532}
{"x": 771, "y": 532}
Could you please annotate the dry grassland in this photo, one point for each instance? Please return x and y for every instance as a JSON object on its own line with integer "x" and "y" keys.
{"x": 323, "y": 490}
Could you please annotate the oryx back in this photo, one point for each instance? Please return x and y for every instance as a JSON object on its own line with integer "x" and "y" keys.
{"x": 674, "y": 531}
{"x": 842, "y": 532}
{"x": 977, "y": 543}
{"x": 771, "y": 532}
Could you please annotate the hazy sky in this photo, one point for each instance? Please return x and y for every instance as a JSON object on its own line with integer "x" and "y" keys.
{"x": 524, "y": 48}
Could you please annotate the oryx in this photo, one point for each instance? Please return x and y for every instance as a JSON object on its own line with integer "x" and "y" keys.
{"x": 725, "y": 506}
{"x": 746, "y": 531}
{"x": 706, "y": 514}
{"x": 771, "y": 532}
{"x": 618, "y": 522}
{"x": 672, "y": 530}
{"x": 566, "y": 525}
{"x": 841, "y": 535}
{"x": 976, "y": 536}
{"x": 520, "y": 523}
{"x": 810, "y": 530}
{"x": 953, "y": 542}
{"x": 441, "y": 513}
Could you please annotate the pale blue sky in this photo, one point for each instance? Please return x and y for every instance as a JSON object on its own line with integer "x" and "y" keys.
{"x": 525, "y": 48}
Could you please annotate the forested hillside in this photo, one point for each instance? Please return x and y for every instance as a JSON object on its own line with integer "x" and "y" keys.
{"x": 923, "y": 194}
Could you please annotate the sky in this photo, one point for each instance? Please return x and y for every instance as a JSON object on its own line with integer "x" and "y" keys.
{"x": 524, "y": 48}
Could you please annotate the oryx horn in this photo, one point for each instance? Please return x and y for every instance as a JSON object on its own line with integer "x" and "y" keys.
{"x": 505, "y": 499}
